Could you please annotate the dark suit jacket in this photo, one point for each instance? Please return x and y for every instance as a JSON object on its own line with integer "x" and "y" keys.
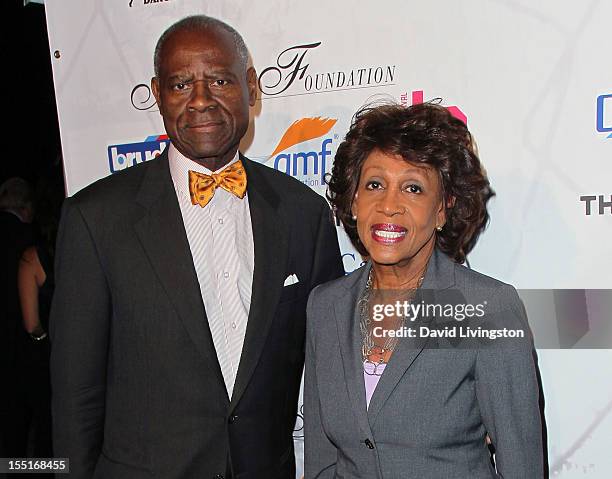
{"x": 137, "y": 388}
{"x": 434, "y": 403}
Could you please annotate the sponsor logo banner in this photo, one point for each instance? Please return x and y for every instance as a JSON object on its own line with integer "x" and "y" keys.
{"x": 597, "y": 204}
{"x": 308, "y": 166}
{"x": 604, "y": 114}
{"x": 125, "y": 155}
{"x": 139, "y": 3}
{"x": 292, "y": 74}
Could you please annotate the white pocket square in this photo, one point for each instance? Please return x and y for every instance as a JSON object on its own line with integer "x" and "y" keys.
{"x": 291, "y": 279}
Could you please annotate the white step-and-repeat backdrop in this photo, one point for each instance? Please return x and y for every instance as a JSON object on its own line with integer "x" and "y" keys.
{"x": 533, "y": 81}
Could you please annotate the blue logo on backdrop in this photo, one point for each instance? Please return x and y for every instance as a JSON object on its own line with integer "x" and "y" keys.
{"x": 123, "y": 156}
{"x": 604, "y": 104}
{"x": 312, "y": 162}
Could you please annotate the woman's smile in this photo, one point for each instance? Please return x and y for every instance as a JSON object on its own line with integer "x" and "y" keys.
{"x": 387, "y": 233}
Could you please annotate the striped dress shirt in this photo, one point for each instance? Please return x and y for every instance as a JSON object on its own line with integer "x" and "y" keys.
{"x": 221, "y": 242}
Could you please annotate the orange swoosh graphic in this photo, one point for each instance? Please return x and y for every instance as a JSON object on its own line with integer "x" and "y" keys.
{"x": 304, "y": 130}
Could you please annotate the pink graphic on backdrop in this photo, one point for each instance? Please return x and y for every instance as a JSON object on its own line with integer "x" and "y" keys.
{"x": 417, "y": 99}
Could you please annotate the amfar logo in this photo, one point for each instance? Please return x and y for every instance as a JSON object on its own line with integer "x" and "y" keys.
{"x": 123, "y": 156}
{"x": 604, "y": 114}
{"x": 308, "y": 166}
{"x": 292, "y": 70}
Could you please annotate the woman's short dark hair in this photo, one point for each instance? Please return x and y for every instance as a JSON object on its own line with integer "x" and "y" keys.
{"x": 422, "y": 134}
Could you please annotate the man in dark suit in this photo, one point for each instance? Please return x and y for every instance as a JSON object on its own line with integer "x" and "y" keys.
{"x": 178, "y": 322}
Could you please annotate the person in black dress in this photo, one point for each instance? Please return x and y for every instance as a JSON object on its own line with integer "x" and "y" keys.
{"x": 16, "y": 212}
{"x": 36, "y": 285}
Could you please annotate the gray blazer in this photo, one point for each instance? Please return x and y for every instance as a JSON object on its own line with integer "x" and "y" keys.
{"x": 432, "y": 408}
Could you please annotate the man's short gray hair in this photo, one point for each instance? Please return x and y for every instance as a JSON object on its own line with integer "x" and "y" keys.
{"x": 200, "y": 23}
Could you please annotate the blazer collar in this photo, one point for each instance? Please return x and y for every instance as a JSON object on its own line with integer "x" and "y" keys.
{"x": 440, "y": 275}
{"x": 347, "y": 314}
{"x": 440, "y": 272}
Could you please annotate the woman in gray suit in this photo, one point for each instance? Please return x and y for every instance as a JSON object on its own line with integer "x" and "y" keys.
{"x": 414, "y": 362}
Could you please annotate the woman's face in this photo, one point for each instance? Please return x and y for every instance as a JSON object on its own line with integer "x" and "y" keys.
{"x": 398, "y": 207}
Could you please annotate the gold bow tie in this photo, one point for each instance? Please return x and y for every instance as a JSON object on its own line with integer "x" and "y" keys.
{"x": 202, "y": 187}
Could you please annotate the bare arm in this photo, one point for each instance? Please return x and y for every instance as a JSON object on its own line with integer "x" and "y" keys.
{"x": 30, "y": 278}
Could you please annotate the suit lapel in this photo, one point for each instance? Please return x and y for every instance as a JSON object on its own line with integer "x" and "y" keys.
{"x": 439, "y": 276}
{"x": 346, "y": 311}
{"x": 403, "y": 357}
{"x": 162, "y": 234}
{"x": 270, "y": 241}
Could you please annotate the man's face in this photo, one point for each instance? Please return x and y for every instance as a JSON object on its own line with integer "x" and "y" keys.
{"x": 203, "y": 92}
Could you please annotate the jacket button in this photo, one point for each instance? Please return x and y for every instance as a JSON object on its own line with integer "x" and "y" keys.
{"x": 369, "y": 444}
{"x": 232, "y": 419}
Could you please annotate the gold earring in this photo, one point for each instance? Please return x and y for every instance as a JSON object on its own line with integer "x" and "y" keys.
{"x": 354, "y": 217}
{"x": 438, "y": 228}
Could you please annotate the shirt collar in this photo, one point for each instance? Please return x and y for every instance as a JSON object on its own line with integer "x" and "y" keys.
{"x": 180, "y": 166}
